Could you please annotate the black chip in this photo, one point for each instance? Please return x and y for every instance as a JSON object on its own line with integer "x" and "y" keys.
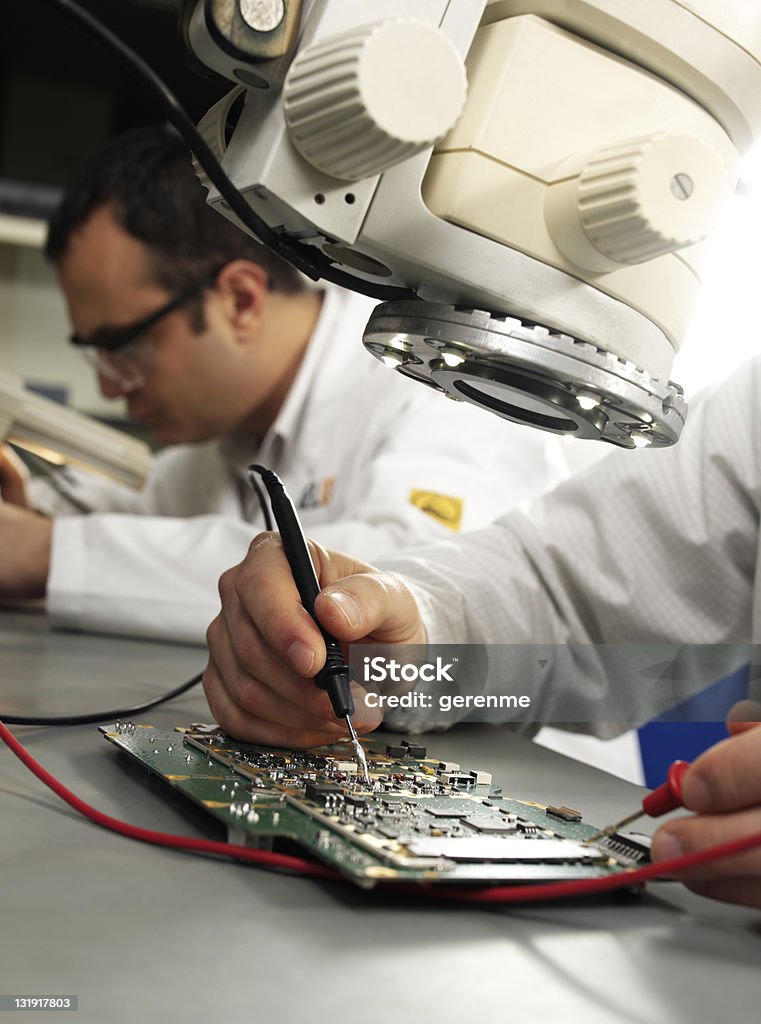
{"x": 396, "y": 750}
{"x": 320, "y": 791}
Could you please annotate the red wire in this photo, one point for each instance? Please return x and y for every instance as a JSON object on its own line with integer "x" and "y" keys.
{"x": 278, "y": 860}
{"x": 493, "y": 894}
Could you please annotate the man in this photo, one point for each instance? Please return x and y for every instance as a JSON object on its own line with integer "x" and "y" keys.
{"x": 652, "y": 547}
{"x": 228, "y": 357}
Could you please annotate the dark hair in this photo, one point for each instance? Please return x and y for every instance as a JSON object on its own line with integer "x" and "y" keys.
{"x": 147, "y": 178}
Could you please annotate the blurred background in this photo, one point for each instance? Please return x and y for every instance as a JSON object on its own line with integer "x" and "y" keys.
{"x": 62, "y": 95}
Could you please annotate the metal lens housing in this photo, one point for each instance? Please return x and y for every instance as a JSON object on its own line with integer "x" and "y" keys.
{"x": 527, "y": 373}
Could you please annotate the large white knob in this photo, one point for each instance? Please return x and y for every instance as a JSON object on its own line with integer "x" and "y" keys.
{"x": 650, "y": 196}
{"x": 362, "y": 101}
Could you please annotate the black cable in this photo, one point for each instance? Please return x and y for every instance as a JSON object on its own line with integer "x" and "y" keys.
{"x": 334, "y": 677}
{"x": 268, "y": 524}
{"x": 102, "y": 716}
{"x": 307, "y": 259}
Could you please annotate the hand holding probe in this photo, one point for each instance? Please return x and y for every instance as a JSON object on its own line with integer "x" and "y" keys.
{"x": 667, "y": 797}
{"x": 334, "y": 676}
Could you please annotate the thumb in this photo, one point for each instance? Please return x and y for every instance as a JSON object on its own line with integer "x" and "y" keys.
{"x": 744, "y": 715}
{"x": 373, "y": 605}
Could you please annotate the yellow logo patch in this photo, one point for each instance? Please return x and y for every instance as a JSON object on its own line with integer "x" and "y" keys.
{"x": 442, "y": 507}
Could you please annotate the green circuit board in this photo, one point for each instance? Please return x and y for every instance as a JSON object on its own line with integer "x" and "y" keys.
{"x": 420, "y": 820}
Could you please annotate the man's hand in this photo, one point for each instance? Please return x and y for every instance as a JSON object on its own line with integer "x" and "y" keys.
{"x": 13, "y": 478}
{"x": 723, "y": 787}
{"x": 24, "y": 552}
{"x": 264, "y": 648}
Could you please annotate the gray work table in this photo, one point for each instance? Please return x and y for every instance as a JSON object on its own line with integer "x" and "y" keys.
{"x": 148, "y": 934}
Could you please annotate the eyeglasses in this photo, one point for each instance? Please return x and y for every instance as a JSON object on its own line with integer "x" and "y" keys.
{"x": 122, "y": 353}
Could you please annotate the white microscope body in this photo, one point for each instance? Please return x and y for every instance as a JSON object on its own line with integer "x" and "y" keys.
{"x": 538, "y": 175}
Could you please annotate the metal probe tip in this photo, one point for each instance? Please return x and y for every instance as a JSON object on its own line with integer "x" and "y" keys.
{"x": 612, "y": 829}
{"x": 359, "y": 750}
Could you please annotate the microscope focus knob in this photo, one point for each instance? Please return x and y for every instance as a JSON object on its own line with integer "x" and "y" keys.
{"x": 362, "y": 101}
{"x": 650, "y": 196}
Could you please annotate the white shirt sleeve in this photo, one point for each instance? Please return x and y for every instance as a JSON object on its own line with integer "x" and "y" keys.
{"x": 646, "y": 547}
{"x": 147, "y": 563}
{"x": 148, "y": 576}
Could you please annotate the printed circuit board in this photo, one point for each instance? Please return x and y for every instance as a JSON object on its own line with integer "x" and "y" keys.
{"x": 421, "y": 820}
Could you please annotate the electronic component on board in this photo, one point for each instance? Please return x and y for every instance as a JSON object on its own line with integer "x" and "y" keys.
{"x": 564, "y": 813}
{"x": 396, "y": 750}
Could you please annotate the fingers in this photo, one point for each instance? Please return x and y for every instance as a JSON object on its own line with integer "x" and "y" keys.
{"x": 241, "y": 723}
{"x": 371, "y": 604}
{"x": 691, "y": 835}
{"x": 744, "y": 715}
{"x": 242, "y": 652}
{"x": 725, "y": 787}
{"x": 726, "y": 777}
{"x": 257, "y": 697}
{"x": 263, "y": 585}
{"x": 358, "y": 602}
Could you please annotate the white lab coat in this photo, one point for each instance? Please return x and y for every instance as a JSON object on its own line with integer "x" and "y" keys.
{"x": 351, "y": 442}
{"x": 651, "y": 547}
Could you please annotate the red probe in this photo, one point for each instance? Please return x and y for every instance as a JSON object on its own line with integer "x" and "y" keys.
{"x": 667, "y": 797}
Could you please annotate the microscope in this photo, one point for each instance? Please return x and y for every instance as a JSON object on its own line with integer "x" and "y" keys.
{"x": 527, "y": 184}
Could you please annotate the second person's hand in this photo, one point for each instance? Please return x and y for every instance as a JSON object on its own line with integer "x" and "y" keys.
{"x": 723, "y": 788}
{"x": 25, "y": 541}
{"x": 13, "y": 478}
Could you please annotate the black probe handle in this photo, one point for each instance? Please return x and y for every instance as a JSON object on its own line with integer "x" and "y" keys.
{"x": 334, "y": 676}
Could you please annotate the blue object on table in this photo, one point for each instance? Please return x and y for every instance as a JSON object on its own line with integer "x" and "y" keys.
{"x": 689, "y": 728}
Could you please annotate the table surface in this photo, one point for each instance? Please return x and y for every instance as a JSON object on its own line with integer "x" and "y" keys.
{"x": 147, "y": 934}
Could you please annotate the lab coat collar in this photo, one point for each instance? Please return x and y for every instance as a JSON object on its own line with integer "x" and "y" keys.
{"x": 240, "y": 449}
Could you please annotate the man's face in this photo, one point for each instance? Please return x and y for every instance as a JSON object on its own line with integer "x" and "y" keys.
{"x": 191, "y": 386}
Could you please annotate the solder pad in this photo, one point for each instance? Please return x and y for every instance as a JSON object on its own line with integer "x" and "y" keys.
{"x": 421, "y": 820}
